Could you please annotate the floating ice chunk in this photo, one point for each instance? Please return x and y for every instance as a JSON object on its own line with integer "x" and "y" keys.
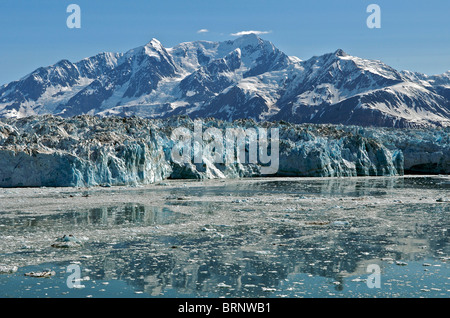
{"x": 317, "y": 223}
{"x": 8, "y": 269}
{"x": 268, "y": 289}
{"x": 43, "y": 274}
{"x": 67, "y": 241}
{"x": 206, "y": 229}
{"x": 340, "y": 223}
{"x": 219, "y": 235}
{"x": 79, "y": 286}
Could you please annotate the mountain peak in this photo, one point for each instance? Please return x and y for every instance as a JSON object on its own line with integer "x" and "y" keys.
{"x": 251, "y": 39}
{"x": 250, "y": 35}
{"x": 340, "y": 52}
{"x": 154, "y": 43}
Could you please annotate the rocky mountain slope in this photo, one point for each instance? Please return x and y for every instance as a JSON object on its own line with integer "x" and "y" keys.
{"x": 247, "y": 78}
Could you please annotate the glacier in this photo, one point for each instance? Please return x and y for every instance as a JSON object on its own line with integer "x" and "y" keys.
{"x": 84, "y": 151}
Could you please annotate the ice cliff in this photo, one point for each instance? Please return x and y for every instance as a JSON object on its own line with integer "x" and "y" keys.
{"x": 90, "y": 151}
{"x": 80, "y": 151}
{"x": 425, "y": 151}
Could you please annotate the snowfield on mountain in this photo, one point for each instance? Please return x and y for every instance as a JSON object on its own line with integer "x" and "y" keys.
{"x": 245, "y": 78}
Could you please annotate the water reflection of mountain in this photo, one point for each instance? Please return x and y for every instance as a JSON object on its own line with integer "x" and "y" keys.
{"x": 243, "y": 263}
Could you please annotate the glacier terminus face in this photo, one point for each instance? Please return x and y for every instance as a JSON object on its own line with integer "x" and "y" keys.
{"x": 90, "y": 151}
{"x": 217, "y": 147}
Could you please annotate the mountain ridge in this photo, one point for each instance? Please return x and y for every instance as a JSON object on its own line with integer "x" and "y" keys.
{"x": 243, "y": 78}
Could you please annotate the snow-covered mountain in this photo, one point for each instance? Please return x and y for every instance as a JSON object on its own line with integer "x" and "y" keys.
{"x": 244, "y": 78}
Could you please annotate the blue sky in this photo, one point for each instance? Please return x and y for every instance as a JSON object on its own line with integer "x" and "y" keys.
{"x": 414, "y": 35}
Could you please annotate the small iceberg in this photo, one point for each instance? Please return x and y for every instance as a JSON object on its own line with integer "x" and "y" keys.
{"x": 340, "y": 223}
{"x": 399, "y": 263}
{"x": 67, "y": 241}
{"x": 43, "y": 274}
{"x": 8, "y": 269}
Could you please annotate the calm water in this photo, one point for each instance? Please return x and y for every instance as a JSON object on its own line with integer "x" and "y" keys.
{"x": 264, "y": 238}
